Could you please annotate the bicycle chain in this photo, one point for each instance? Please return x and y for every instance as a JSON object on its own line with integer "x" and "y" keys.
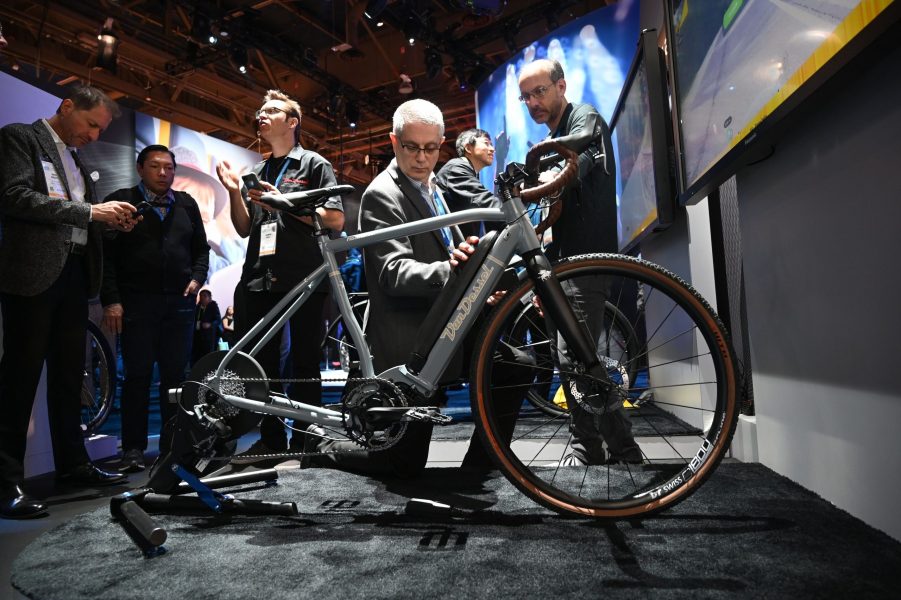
{"x": 289, "y": 455}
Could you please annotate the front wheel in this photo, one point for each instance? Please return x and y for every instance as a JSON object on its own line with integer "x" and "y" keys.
{"x": 601, "y": 459}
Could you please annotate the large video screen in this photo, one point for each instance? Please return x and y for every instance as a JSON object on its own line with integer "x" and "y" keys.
{"x": 594, "y": 51}
{"x": 640, "y": 128}
{"x": 738, "y": 63}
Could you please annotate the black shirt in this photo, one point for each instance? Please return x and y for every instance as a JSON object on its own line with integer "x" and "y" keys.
{"x": 296, "y": 251}
{"x": 588, "y": 221}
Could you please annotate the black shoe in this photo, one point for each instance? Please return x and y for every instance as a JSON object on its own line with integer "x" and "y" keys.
{"x": 630, "y": 456}
{"x": 19, "y": 505}
{"x": 258, "y": 448}
{"x": 87, "y": 475}
{"x": 132, "y": 461}
{"x": 308, "y": 442}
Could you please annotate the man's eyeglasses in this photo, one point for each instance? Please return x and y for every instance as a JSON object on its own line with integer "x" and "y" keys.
{"x": 413, "y": 149}
{"x": 537, "y": 93}
{"x": 271, "y": 111}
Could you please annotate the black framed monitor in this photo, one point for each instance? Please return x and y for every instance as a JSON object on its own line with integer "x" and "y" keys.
{"x": 740, "y": 67}
{"x": 641, "y": 144}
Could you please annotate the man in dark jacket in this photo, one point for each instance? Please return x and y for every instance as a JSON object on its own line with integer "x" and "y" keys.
{"x": 459, "y": 178}
{"x": 50, "y": 262}
{"x": 587, "y": 224}
{"x": 150, "y": 281}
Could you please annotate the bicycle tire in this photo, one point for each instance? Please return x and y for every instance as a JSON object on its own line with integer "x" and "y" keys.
{"x": 619, "y": 344}
{"x": 691, "y": 379}
{"x": 98, "y": 388}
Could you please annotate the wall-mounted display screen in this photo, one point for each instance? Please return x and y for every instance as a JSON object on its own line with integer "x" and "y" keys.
{"x": 741, "y": 65}
{"x": 640, "y": 127}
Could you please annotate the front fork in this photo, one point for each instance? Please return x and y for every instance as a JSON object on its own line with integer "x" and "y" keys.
{"x": 559, "y": 313}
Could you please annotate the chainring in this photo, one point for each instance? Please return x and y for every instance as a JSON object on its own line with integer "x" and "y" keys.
{"x": 361, "y": 395}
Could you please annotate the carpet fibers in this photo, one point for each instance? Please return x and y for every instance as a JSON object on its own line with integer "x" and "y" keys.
{"x": 747, "y": 533}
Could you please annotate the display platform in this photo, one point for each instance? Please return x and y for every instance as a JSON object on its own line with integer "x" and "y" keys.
{"x": 747, "y": 533}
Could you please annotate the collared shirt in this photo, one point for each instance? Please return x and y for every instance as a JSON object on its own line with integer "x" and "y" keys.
{"x": 433, "y": 199}
{"x": 161, "y": 204}
{"x": 74, "y": 178}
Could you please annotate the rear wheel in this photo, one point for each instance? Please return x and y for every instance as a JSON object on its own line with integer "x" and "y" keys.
{"x": 98, "y": 387}
{"x": 683, "y": 398}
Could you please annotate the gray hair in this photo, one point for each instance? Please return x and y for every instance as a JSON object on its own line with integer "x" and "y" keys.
{"x": 417, "y": 111}
{"x": 469, "y": 137}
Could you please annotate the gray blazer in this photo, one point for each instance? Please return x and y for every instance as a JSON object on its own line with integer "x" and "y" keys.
{"x": 404, "y": 276}
{"x": 35, "y": 230}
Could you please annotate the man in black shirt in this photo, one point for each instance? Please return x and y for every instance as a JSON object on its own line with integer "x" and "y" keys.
{"x": 587, "y": 224}
{"x": 150, "y": 281}
{"x": 459, "y": 178}
{"x": 281, "y": 252}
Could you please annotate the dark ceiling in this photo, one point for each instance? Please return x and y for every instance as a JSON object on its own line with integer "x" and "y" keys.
{"x": 343, "y": 61}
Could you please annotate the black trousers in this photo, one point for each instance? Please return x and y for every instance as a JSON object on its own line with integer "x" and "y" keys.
{"x": 50, "y": 326}
{"x": 157, "y": 328}
{"x": 306, "y": 334}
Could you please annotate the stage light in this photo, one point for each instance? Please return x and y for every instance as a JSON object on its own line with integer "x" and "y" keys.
{"x": 238, "y": 55}
{"x": 352, "y": 114}
{"x": 107, "y": 45}
{"x": 374, "y": 8}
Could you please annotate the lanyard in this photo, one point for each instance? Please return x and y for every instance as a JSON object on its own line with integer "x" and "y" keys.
{"x": 281, "y": 172}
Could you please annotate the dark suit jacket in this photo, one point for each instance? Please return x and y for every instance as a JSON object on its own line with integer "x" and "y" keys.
{"x": 35, "y": 229}
{"x": 404, "y": 276}
{"x": 462, "y": 189}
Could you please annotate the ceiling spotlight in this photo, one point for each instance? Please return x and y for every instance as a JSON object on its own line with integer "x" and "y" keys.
{"x": 374, "y": 8}
{"x": 406, "y": 84}
{"x": 107, "y": 44}
{"x": 213, "y": 40}
{"x": 412, "y": 41}
{"x": 238, "y": 55}
{"x": 380, "y": 24}
{"x": 352, "y": 114}
{"x": 3, "y": 43}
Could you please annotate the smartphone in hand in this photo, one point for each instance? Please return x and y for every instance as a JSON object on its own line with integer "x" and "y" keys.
{"x": 252, "y": 182}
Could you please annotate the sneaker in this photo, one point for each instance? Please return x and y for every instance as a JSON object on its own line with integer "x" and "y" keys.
{"x": 132, "y": 461}
{"x": 258, "y": 448}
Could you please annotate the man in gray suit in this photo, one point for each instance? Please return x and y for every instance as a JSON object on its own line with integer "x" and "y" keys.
{"x": 50, "y": 264}
{"x": 405, "y": 276}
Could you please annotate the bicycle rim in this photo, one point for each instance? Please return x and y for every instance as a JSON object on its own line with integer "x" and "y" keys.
{"x": 99, "y": 383}
{"x": 686, "y": 396}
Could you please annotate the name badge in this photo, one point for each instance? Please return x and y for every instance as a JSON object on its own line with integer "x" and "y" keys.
{"x": 267, "y": 238}
{"x": 55, "y": 186}
{"x": 79, "y": 236}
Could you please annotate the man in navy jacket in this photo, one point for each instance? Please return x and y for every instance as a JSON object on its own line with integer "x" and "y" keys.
{"x": 150, "y": 281}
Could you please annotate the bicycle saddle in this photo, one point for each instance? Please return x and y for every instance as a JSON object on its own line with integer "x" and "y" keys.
{"x": 303, "y": 202}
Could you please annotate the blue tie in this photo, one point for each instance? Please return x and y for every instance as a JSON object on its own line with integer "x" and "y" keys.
{"x": 434, "y": 202}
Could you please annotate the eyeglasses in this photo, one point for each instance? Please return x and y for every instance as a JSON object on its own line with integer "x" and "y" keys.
{"x": 271, "y": 111}
{"x": 413, "y": 149}
{"x": 537, "y": 93}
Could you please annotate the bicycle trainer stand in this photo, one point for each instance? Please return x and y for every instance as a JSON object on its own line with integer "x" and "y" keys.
{"x": 170, "y": 482}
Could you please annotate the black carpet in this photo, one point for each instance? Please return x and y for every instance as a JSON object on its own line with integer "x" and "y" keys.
{"x": 747, "y": 533}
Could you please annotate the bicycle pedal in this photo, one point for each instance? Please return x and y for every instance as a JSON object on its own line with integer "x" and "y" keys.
{"x": 427, "y": 414}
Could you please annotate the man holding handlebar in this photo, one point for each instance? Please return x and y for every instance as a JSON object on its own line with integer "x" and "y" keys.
{"x": 587, "y": 224}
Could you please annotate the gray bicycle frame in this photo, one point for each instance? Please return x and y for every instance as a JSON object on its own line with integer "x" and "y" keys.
{"x": 517, "y": 237}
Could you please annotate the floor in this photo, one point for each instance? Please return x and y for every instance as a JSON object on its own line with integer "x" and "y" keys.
{"x": 16, "y": 535}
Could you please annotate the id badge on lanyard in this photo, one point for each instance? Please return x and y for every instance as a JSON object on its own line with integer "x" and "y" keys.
{"x": 267, "y": 237}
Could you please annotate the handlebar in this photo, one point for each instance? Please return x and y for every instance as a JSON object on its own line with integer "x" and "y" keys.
{"x": 566, "y": 147}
